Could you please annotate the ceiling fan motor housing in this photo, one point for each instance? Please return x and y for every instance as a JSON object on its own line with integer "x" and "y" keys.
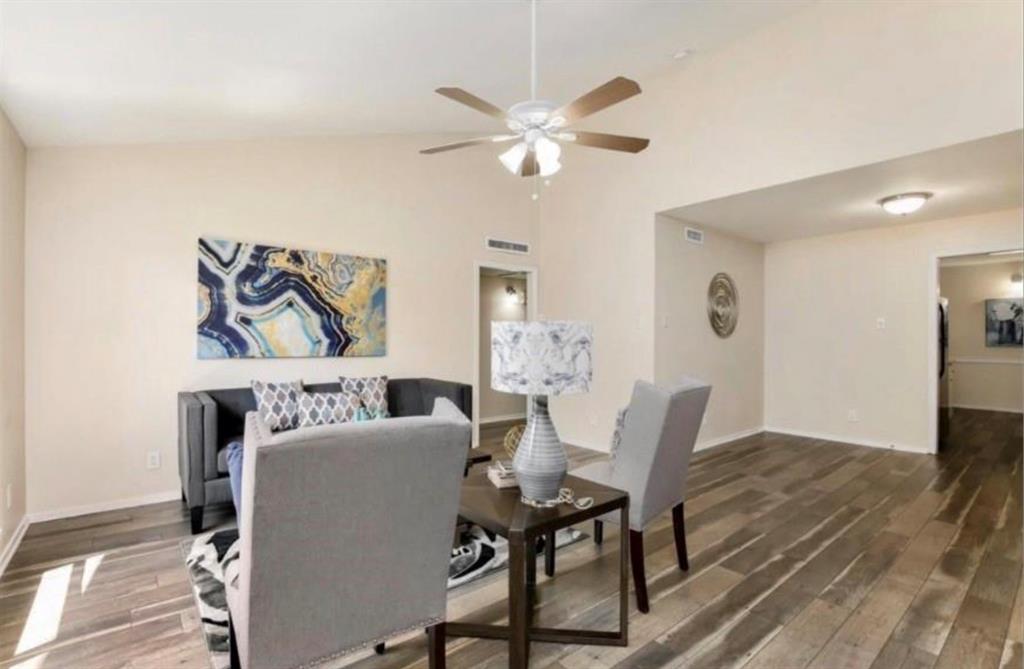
{"x": 530, "y": 114}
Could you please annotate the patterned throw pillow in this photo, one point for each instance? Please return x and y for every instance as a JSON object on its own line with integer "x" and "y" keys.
{"x": 620, "y": 425}
{"x": 277, "y": 404}
{"x": 327, "y": 408}
{"x": 372, "y": 390}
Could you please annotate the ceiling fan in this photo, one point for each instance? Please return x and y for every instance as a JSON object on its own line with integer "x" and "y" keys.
{"x": 539, "y": 125}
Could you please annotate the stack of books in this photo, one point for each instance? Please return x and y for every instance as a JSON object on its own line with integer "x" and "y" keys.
{"x": 501, "y": 474}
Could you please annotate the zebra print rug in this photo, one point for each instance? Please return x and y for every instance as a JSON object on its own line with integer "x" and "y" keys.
{"x": 479, "y": 553}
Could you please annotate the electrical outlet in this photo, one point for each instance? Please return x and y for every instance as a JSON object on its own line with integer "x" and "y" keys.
{"x": 153, "y": 460}
{"x": 852, "y": 416}
{"x": 879, "y": 323}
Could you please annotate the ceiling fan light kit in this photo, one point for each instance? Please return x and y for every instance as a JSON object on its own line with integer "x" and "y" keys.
{"x": 538, "y": 124}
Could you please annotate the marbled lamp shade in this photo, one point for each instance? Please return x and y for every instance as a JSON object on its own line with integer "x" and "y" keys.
{"x": 540, "y": 358}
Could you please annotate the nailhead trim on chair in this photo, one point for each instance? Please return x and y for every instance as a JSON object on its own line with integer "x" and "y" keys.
{"x": 368, "y": 644}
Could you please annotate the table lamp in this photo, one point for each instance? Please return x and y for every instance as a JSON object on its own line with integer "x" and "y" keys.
{"x": 540, "y": 359}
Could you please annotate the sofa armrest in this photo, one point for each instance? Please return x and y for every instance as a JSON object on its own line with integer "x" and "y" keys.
{"x": 190, "y": 448}
{"x": 211, "y": 437}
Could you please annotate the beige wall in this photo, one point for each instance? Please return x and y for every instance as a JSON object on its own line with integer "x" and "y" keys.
{"x": 795, "y": 99}
{"x": 12, "y": 322}
{"x": 111, "y": 275}
{"x": 495, "y": 306}
{"x": 685, "y": 344}
{"x": 110, "y": 247}
{"x": 824, "y": 352}
{"x": 982, "y": 377}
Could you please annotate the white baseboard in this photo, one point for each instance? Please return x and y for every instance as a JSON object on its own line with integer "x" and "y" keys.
{"x": 975, "y": 407}
{"x": 502, "y": 419}
{"x": 845, "y": 439}
{"x": 703, "y": 445}
{"x": 12, "y": 544}
{"x": 112, "y": 505}
{"x": 735, "y": 436}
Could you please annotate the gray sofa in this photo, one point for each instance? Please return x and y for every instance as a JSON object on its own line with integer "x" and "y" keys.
{"x": 344, "y": 538}
{"x": 211, "y": 419}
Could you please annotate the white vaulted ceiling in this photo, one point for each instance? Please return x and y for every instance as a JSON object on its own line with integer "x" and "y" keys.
{"x": 122, "y": 72}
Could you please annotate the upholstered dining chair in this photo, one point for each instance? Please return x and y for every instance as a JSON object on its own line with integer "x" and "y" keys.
{"x": 650, "y": 463}
{"x": 345, "y": 537}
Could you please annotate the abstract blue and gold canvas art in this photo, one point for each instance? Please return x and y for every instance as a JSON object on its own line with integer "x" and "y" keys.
{"x": 260, "y": 301}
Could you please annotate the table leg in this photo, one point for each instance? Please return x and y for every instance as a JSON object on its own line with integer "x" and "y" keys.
{"x": 624, "y": 574}
{"x": 549, "y": 554}
{"x": 531, "y": 579}
{"x": 518, "y": 602}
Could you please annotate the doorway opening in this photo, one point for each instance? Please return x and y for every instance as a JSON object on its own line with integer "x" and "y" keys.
{"x": 979, "y": 323}
{"x": 504, "y": 293}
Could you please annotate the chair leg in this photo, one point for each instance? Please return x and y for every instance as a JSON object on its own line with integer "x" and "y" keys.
{"x": 196, "y": 513}
{"x": 636, "y": 559}
{"x": 235, "y": 662}
{"x": 598, "y": 532}
{"x": 549, "y": 554}
{"x": 679, "y": 525}
{"x": 380, "y": 648}
{"x": 435, "y": 646}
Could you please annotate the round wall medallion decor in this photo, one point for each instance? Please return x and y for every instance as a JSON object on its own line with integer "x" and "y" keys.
{"x": 723, "y": 304}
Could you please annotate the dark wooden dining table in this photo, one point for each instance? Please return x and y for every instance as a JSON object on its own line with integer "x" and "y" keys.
{"x": 502, "y": 512}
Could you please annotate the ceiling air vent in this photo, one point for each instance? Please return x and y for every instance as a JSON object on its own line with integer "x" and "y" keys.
{"x": 506, "y": 246}
{"x": 695, "y": 236}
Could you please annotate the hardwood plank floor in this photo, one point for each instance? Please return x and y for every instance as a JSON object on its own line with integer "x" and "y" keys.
{"x": 803, "y": 553}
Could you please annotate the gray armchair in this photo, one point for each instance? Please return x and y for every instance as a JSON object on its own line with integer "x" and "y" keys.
{"x": 650, "y": 464}
{"x": 345, "y": 537}
{"x": 209, "y": 420}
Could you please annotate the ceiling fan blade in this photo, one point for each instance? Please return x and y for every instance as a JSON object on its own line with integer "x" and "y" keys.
{"x": 600, "y": 140}
{"x": 470, "y": 100}
{"x": 494, "y": 139}
{"x": 529, "y": 167}
{"x": 602, "y": 97}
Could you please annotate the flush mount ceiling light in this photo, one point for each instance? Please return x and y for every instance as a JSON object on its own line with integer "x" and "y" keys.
{"x": 904, "y": 203}
{"x": 539, "y": 125}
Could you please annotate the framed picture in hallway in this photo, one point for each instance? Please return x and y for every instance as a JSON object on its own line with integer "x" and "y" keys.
{"x": 1004, "y": 322}
{"x": 258, "y": 301}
